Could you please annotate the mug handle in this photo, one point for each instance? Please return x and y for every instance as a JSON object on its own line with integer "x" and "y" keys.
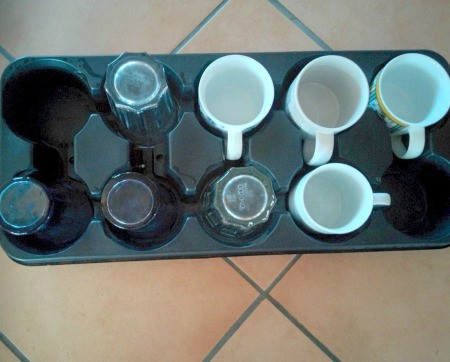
{"x": 381, "y": 199}
{"x": 234, "y": 144}
{"x": 318, "y": 151}
{"x": 415, "y": 146}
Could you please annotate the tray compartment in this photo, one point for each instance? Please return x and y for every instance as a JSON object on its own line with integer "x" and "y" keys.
{"x": 420, "y": 196}
{"x": 47, "y": 101}
{"x": 70, "y": 213}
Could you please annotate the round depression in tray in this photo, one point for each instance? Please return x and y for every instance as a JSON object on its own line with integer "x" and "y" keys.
{"x": 420, "y": 196}
{"x": 46, "y": 102}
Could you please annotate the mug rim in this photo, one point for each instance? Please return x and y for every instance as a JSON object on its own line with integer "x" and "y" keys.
{"x": 306, "y": 219}
{"x": 398, "y": 59}
{"x": 269, "y": 94}
{"x": 364, "y": 100}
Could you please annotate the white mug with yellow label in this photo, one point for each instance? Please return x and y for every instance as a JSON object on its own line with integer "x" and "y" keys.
{"x": 411, "y": 92}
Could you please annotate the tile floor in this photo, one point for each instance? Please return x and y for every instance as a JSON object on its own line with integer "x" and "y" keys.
{"x": 390, "y": 306}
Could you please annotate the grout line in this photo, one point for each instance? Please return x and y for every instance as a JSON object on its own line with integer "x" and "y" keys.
{"x": 244, "y": 275}
{"x": 289, "y": 316}
{"x": 12, "y": 347}
{"x": 264, "y": 294}
{"x": 236, "y": 325}
{"x": 194, "y": 32}
{"x": 6, "y": 54}
{"x": 282, "y": 273}
{"x": 299, "y": 24}
{"x": 302, "y": 328}
{"x": 271, "y": 285}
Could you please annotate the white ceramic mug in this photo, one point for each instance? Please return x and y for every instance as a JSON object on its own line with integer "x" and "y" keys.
{"x": 235, "y": 93}
{"x": 411, "y": 92}
{"x": 329, "y": 95}
{"x": 334, "y": 199}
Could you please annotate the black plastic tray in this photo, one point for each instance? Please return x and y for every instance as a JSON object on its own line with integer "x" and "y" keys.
{"x": 74, "y": 138}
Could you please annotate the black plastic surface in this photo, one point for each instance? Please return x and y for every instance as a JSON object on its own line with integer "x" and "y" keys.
{"x": 56, "y": 120}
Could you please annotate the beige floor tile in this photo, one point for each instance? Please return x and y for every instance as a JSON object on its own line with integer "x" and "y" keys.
{"x": 6, "y": 355}
{"x": 262, "y": 269}
{"x": 3, "y": 63}
{"x": 267, "y": 335}
{"x": 398, "y": 24}
{"x": 391, "y": 306}
{"x": 249, "y": 26}
{"x": 159, "y": 310}
{"x": 98, "y": 27}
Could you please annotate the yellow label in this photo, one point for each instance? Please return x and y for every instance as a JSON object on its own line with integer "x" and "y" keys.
{"x": 383, "y": 108}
